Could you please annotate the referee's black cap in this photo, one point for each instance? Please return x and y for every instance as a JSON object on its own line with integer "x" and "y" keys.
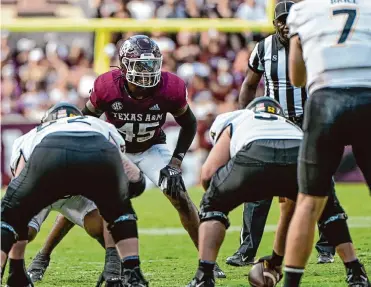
{"x": 282, "y": 8}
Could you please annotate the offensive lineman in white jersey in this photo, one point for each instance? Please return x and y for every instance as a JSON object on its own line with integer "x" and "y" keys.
{"x": 78, "y": 209}
{"x": 72, "y": 154}
{"x": 330, "y": 50}
{"x": 251, "y": 146}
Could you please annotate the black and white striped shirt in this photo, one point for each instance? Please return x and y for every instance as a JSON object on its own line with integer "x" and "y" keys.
{"x": 271, "y": 57}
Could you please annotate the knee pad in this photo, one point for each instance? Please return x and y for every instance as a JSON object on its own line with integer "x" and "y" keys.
{"x": 124, "y": 227}
{"x": 215, "y": 215}
{"x": 8, "y": 237}
{"x": 336, "y": 230}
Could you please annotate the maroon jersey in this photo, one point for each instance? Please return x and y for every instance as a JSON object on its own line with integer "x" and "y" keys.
{"x": 138, "y": 121}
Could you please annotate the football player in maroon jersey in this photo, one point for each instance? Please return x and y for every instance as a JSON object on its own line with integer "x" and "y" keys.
{"x": 136, "y": 99}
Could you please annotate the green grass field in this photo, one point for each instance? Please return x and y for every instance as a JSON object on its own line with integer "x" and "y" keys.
{"x": 169, "y": 258}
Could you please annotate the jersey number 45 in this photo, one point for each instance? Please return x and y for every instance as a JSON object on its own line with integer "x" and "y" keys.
{"x": 141, "y": 131}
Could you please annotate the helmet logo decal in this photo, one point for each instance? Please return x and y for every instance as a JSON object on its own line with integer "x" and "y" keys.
{"x": 125, "y": 48}
{"x": 260, "y": 107}
{"x": 61, "y": 114}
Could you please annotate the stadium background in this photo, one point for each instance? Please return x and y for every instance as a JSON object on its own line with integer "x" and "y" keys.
{"x": 52, "y": 50}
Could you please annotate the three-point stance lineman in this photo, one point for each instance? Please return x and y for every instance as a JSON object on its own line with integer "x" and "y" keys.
{"x": 71, "y": 148}
{"x": 270, "y": 59}
{"x": 252, "y": 146}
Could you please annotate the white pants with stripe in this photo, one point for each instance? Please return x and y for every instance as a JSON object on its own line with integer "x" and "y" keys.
{"x": 74, "y": 208}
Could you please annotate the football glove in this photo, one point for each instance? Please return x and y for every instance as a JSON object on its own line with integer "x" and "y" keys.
{"x": 111, "y": 282}
{"x": 171, "y": 181}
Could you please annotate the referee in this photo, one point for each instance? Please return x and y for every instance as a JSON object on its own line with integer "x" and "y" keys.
{"x": 270, "y": 59}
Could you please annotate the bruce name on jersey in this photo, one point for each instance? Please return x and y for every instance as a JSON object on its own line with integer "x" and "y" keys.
{"x": 138, "y": 121}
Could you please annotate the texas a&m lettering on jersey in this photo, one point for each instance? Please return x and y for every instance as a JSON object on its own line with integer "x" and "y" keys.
{"x": 138, "y": 121}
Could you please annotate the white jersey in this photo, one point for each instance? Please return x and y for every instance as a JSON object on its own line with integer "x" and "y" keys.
{"x": 25, "y": 144}
{"x": 336, "y": 40}
{"x": 248, "y": 126}
{"x": 221, "y": 122}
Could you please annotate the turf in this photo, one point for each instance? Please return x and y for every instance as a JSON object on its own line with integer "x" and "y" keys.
{"x": 171, "y": 259}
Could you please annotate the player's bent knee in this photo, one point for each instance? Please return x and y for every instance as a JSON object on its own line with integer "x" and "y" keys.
{"x": 215, "y": 215}
{"x": 336, "y": 230}
{"x": 8, "y": 237}
{"x": 313, "y": 205}
{"x": 32, "y": 232}
{"x": 124, "y": 227}
{"x": 93, "y": 224}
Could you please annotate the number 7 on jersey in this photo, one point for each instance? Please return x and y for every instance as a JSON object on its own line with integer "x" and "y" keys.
{"x": 352, "y": 14}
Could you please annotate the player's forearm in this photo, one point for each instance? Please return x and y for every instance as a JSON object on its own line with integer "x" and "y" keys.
{"x": 131, "y": 170}
{"x": 188, "y": 124}
{"x": 247, "y": 94}
{"x": 90, "y": 110}
{"x": 297, "y": 69}
{"x": 21, "y": 164}
{"x": 137, "y": 181}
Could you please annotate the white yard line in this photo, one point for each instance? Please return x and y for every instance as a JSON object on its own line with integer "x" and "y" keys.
{"x": 353, "y": 222}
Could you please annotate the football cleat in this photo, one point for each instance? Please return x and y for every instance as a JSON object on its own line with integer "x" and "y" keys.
{"x": 357, "y": 277}
{"x": 218, "y": 273}
{"x": 133, "y": 278}
{"x": 238, "y": 260}
{"x": 38, "y": 266}
{"x": 200, "y": 280}
{"x": 325, "y": 258}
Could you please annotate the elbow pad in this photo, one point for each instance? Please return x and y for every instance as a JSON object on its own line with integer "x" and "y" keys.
{"x": 137, "y": 188}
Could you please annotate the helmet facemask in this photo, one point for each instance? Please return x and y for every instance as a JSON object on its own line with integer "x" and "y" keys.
{"x": 144, "y": 71}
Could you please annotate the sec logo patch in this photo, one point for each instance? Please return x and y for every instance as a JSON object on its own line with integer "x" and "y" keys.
{"x": 117, "y": 106}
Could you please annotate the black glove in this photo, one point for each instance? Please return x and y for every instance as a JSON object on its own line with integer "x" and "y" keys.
{"x": 113, "y": 282}
{"x": 171, "y": 181}
{"x": 112, "y": 270}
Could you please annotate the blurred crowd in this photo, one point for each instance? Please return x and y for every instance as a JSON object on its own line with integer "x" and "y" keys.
{"x": 35, "y": 74}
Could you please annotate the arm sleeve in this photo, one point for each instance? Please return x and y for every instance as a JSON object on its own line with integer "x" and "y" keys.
{"x": 255, "y": 63}
{"x": 188, "y": 124}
